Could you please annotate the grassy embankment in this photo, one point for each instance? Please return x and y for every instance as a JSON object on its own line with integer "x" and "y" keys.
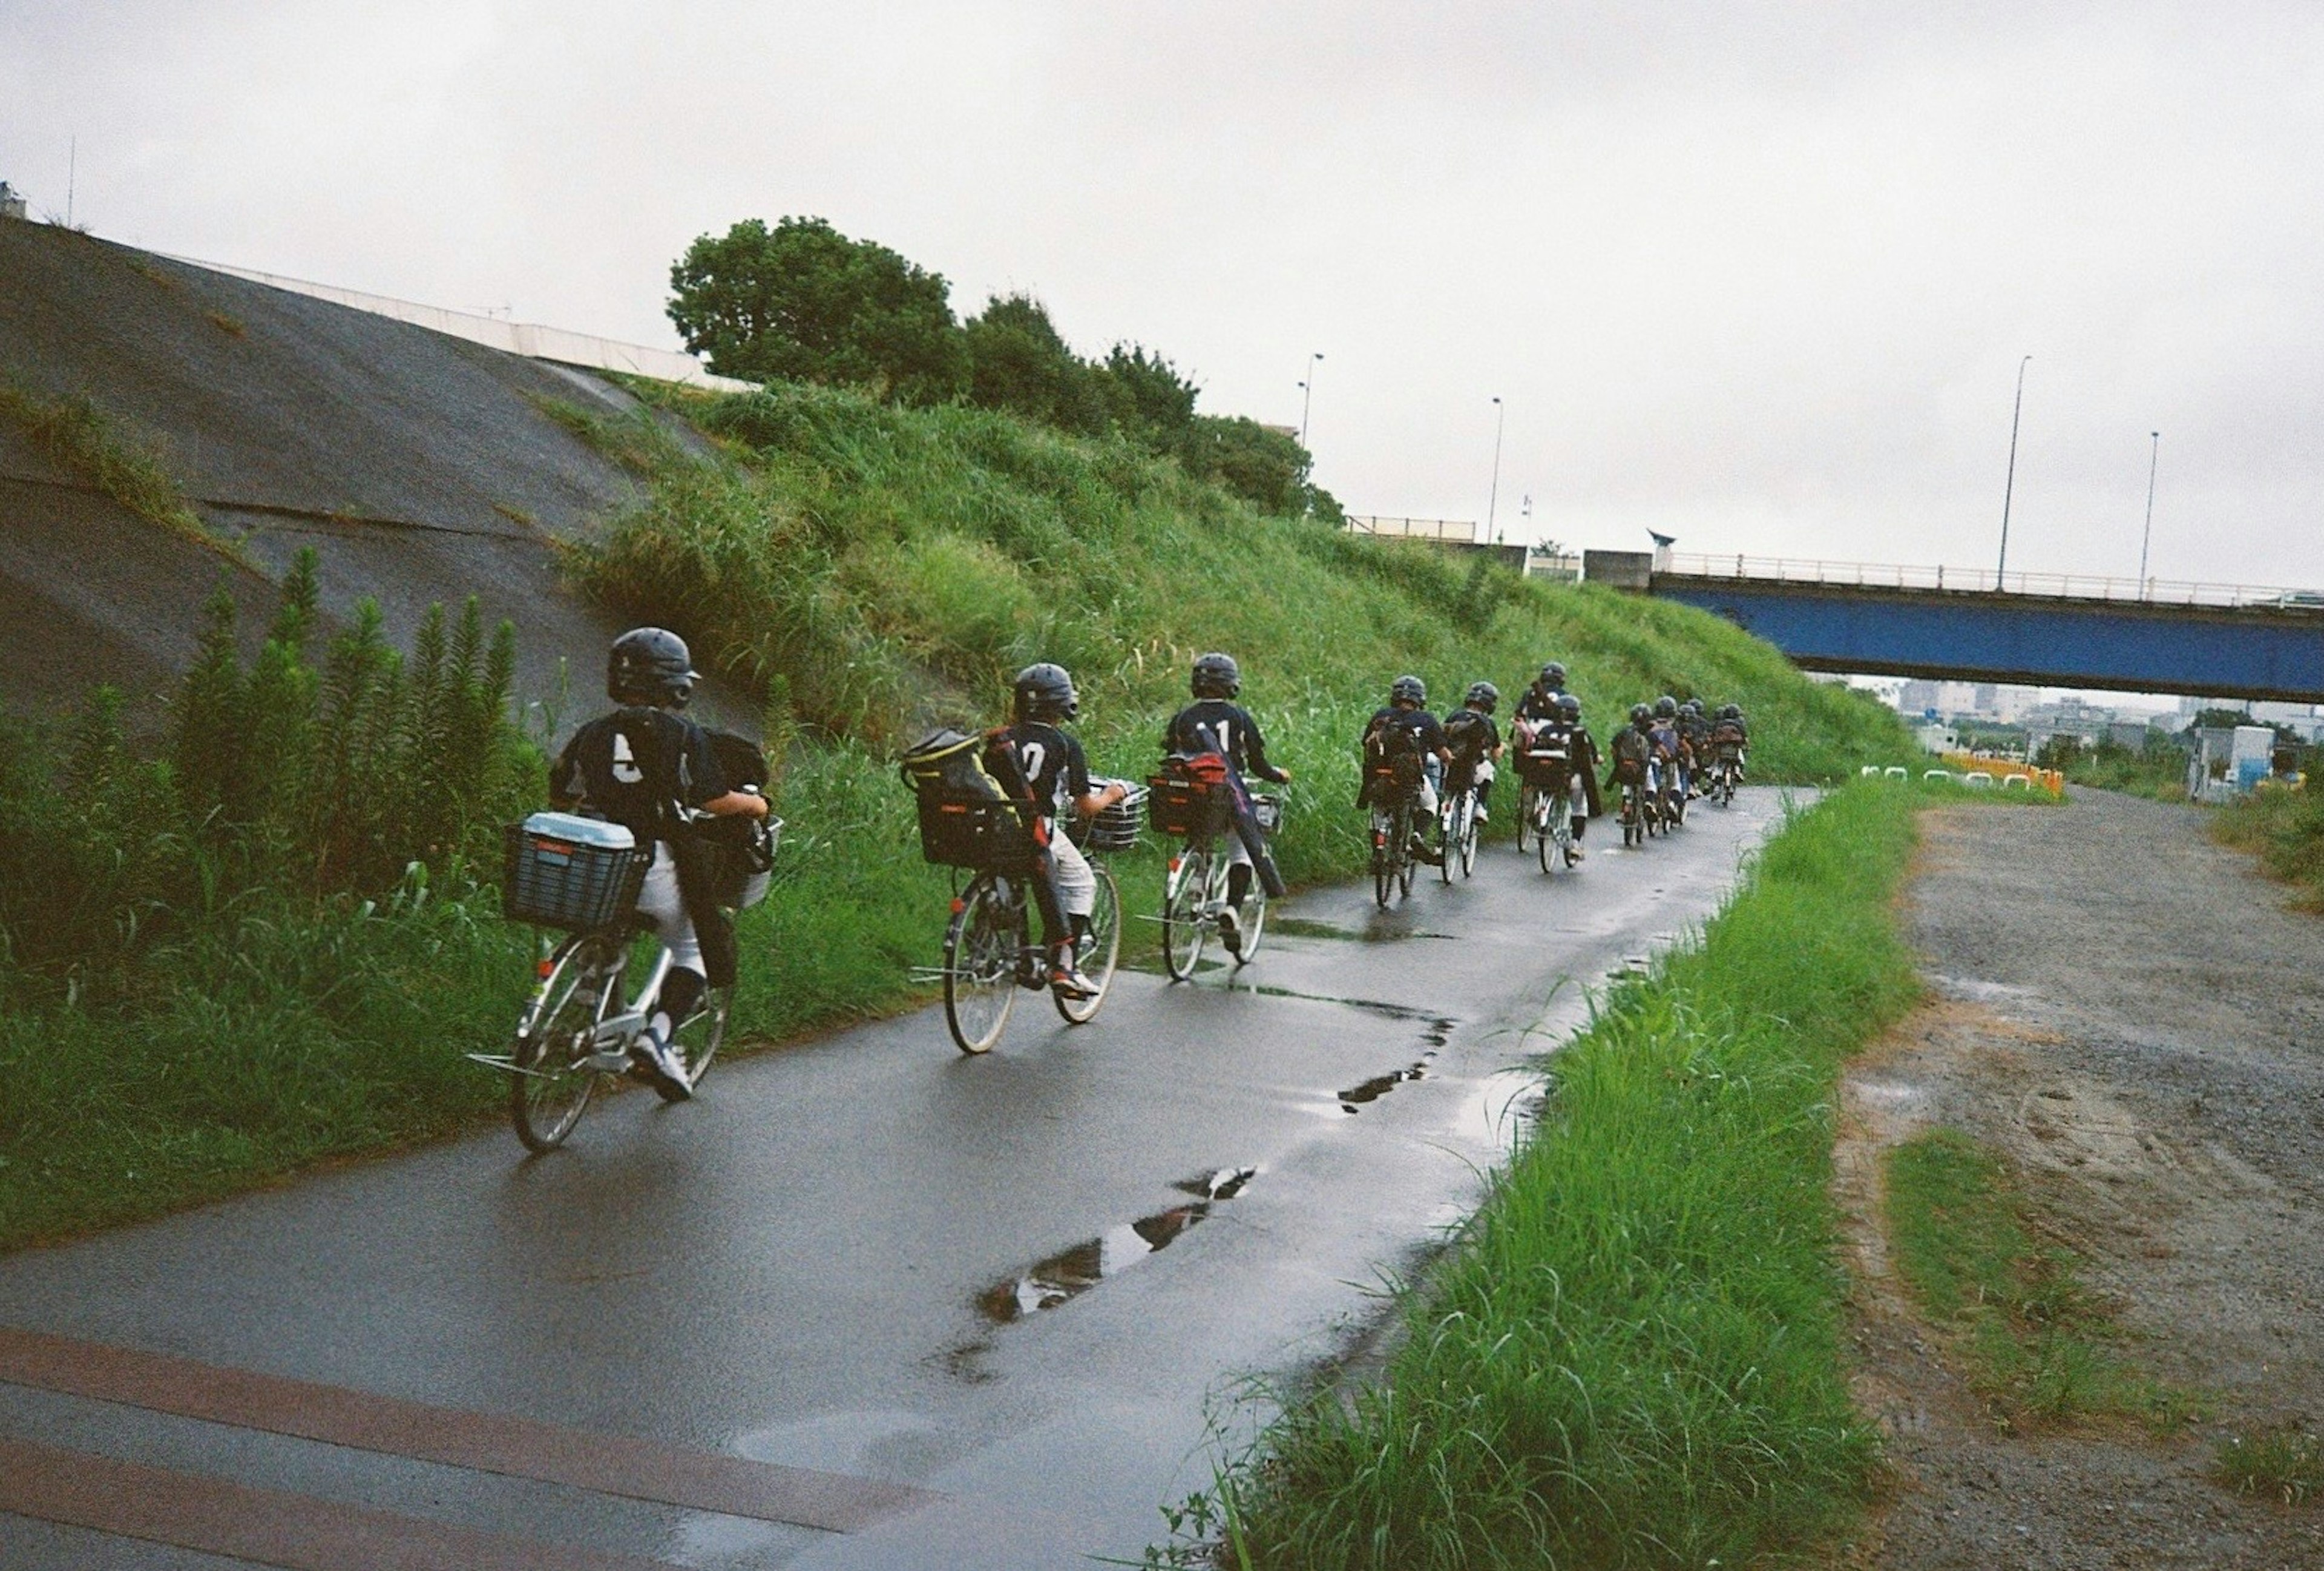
{"x": 2158, "y": 773}
{"x": 862, "y": 565}
{"x": 2285, "y": 829}
{"x": 1632, "y": 1355}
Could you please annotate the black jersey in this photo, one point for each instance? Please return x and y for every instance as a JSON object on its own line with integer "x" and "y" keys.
{"x": 639, "y": 767}
{"x": 1231, "y": 729}
{"x": 1054, "y": 766}
{"x": 1418, "y": 723}
{"x": 1533, "y": 703}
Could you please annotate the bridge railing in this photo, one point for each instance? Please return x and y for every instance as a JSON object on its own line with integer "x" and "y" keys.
{"x": 1970, "y": 580}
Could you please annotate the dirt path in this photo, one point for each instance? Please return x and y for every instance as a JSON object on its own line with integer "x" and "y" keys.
{"x": 2129, "y": 1010}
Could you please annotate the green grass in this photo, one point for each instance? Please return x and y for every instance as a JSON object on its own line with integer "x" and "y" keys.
{"x": 2285, "y": 1464}
{"x": 81, "y": 436}
{"x": 2285, "y": 829}
{"x": 867, "y": 568}
{"x": 1966, "y": 1244}
{"x": 2159, "y": 774}
{"x": 1633, "y": 1354}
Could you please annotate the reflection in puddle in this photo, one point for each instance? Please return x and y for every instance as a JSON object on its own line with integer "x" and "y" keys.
{"x": 1066, "y": 1276}
{"x": 1379, "y": 1086}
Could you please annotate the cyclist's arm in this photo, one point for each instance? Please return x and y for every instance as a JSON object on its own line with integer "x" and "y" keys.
{"x": 1088, "y": 801}
{"x": 749, "y": 804}
{"x": 1255, "y": 751}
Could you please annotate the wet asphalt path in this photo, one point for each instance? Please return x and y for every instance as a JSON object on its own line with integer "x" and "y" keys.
{"x": 834, "y": 1261}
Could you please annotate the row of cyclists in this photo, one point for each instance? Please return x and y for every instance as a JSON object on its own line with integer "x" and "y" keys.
{"x": 651, "y": 768}
{"x": 1668, "y": 748}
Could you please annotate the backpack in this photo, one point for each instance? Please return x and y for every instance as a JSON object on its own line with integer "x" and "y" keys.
{"x": 1392, "y": 766}
{"x": 1465, "y": 733}
{"x": 948, "y": 766}
{"x": 741, "y": 851}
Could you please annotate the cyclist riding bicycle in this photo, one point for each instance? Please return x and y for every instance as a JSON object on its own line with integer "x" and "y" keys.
{"x": 1695, "y": 729}
{"x": 1729, "y": 731}
{"x": 1539, "y": 700}
{"x": 1582, "y": 748}
{"x": 1403, "y": 728}
{"x": 1056, "y": 772}
{"x": 647, "y": 768}
{"x": 1670, "y": 742}
{"x": 1474, "y": 741}
{"x": 1634, "y": 751}
{"x": 1215, "y": 721}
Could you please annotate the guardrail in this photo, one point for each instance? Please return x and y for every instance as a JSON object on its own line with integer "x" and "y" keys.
{"x": 532, "y": 340}
{"x": 1977, "y": 581}
{"x": 1462, "y": 530}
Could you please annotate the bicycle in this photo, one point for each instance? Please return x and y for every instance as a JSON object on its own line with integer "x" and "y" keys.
{"x": 989, "y": 951}
{"x": 1724, "y": 768}
{"x": 1456, "y": 831}
{"x": 575, "y": 1031}
{"x": 1194, "y": 889}
{"x": 1392, "y": 859}
{"x": 1638, "y": 813}
{"x": 1671, "y": 795}
{"x": 1548, "y": 809}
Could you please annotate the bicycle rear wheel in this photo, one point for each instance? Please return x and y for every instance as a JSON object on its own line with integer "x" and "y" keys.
{"x": 1404, "y": 865}
{"x": 1528, "y": 799}
{"x": 1448, "y": 839}
{"x": 980, "y": 957}
{"x": 554, "y": 1081}
{"x": 1184, "y": 891}
{"x": 1468, "y": 838}
{"x": 1384, "y": 857}
{"x": 1100, "y": 954}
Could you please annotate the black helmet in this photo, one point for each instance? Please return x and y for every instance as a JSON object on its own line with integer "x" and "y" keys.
{"x": 1665, "y": 708}
{"x": 1482, "y": 696}
{"x": 1732, "y": 712}
{"x": 1216, "y": 677}
{"x": 1044, "y": 691}
{"x": 1407, "y": 689}
{"x": 1640, "y": 715}
{"x": 649, "y": 665}
{"x": 1553, "y": 677}
{"x": 1569, "y": 708}
{"x": 1691, "y": 707}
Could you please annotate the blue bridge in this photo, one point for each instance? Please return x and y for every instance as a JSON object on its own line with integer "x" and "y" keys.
{"x": 2038, "y": 630}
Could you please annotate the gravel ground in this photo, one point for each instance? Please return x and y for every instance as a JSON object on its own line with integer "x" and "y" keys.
{"x": 2132, "y": 1012}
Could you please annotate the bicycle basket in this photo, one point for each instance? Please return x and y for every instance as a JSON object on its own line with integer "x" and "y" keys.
{"x": 1268, "y": 810}
{"x": 1184, "y": 809}
{"x": 1114, "y": 828}
{"x": 973, "y": 832}
{"x": 563, "y": 871}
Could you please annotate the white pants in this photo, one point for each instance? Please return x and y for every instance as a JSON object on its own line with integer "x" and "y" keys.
{"x": 1076, "y": 884}
{"x": 660, "y": 902}
{"x": 1431, "y": 771}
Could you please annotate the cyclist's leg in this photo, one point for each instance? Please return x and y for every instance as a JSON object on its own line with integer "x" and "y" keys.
{"x": 1074, "y": 889}
{"x": 661, "y": 903}
{"x": 1239, "y": 871}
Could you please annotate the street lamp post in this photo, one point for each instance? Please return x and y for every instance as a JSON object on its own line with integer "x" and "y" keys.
{"x": 1307, "y": 394}
{"x": 2153, "y": 453}
{"x": 1500, "y": 414}
{"x": 2010, "y": 483}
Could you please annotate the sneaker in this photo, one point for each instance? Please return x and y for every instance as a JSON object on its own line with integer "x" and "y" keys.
{"x": 1067, "y": 980}
{"x": 1483, "y": 817}
{"x": 1230, "y": 927}
{"x": 659, "y": 1066}
{"x": 1574, "y": 854}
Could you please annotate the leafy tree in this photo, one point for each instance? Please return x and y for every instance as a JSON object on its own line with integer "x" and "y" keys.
{"x": 802, "y": 300}
{"x": 1267, "y": 467}
{"x": 1148, "y": 400}
{"x": 1018, "y": 362}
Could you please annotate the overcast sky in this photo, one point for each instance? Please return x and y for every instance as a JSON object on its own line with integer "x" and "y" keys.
{"x": 1759, "y": 276}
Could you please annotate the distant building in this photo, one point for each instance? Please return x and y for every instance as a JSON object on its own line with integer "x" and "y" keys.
{"x": 1919, "y": 698}
{"x": 11, "y": 204}
{"x": 2228, "y": 760}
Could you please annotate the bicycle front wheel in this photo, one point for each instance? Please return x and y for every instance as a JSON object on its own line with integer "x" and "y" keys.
{"x": 554, "y": 1081}
{"x": 1184, "y": 891}
{"x": 1100, "y": 952}
{"x": 980, "y": 957}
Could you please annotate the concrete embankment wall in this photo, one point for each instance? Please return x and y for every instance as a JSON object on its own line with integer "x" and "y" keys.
{"x": 421, "y": 466}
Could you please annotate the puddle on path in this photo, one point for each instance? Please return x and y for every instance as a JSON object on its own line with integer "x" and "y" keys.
{"x": 1379, "y": 1086}
{"x": 1066, "y": 1276}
